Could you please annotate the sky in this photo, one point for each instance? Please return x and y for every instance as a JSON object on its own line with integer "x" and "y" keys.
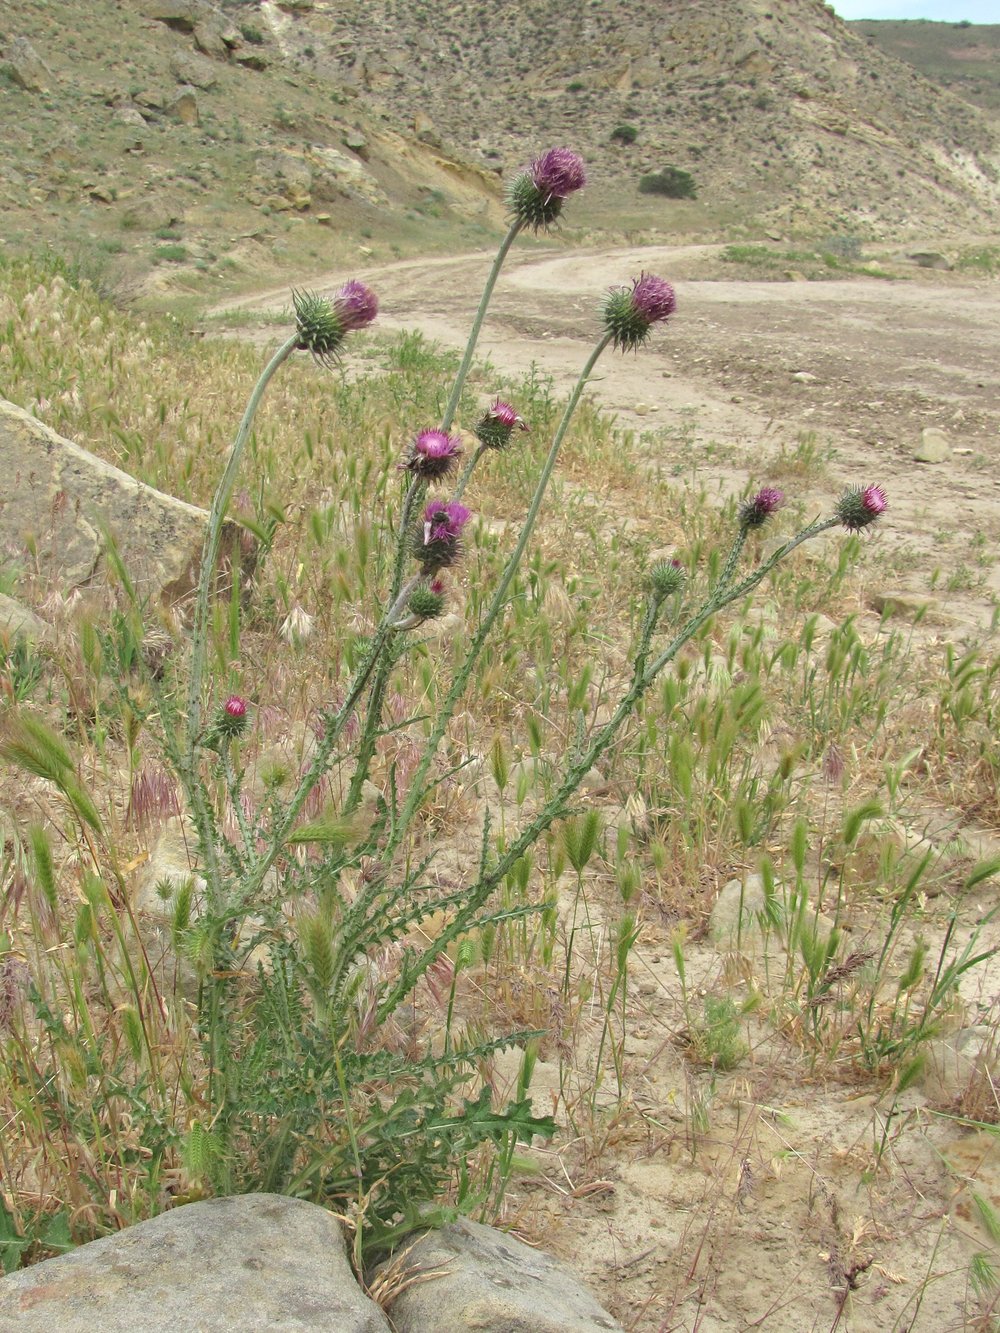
{"x": 948, "y": 11}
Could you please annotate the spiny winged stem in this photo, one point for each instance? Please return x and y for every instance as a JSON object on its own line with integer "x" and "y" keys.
{"x": 497, "y": 604}
{"x": 477, "y": 323}
{"x": 398, "y": 597}
{"x": 199, "y": 636}
{"x": 398, "y": 594}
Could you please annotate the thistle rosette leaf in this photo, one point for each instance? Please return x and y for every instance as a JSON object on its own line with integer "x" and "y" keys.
{"x": 535, "y": 196}
{"x": 630, "y": 312}
{"x": 324, "y": 323}
{"x": 861, "y": 506}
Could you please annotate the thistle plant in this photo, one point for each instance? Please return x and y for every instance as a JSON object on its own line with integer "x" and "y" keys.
{"x": 305, "y": 1091}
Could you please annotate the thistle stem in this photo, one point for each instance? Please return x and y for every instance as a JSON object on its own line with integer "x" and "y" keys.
{"x": 467, "y": 471}
{"x": 497, "y": 603}
{"x": 477, "y": 324}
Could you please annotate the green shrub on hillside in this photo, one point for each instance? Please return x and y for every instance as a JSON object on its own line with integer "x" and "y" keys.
{"x": 672, "y": 182}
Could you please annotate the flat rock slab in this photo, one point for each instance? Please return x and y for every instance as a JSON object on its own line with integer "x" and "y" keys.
{"x": 484, "y": 1280}
{"x": 258, "y": 1263}
{"x": 57, "y": 496}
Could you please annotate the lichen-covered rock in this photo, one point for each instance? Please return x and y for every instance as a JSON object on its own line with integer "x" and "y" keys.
{"x": 259, "y": 1262}
{"x": 59, "y": 497}
{"x": 24, "y": 66}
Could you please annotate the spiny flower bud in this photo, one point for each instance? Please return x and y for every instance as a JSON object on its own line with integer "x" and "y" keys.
{"x": 535, "y": 196}
{"x": 666, "y": 577}
{"x": 425, "y": 603}
{"x": 755, "y": 512}
{"x": 438, "y": 542}
{"x": 323, "y": 324}
{"x": 497, "y": 424}
{"x": 861, "y": 505}
{"x": 629, "y": 313}
{"x": 432, "y": 454}
{"x": 229, "y": 723}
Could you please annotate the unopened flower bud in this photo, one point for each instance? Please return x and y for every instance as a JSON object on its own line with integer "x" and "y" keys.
{"x": 424, "y": 603}
{"x": 630, "y": 312}
{"x": 666, "y": 577}
{"x": 755, "y": 512}
{"x": 861, "y": 505}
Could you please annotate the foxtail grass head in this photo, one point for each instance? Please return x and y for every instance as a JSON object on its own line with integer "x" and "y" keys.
{"x": 323, "y": 323}
{"x": 630, "y": 312}
{"x": 535, "y": 196}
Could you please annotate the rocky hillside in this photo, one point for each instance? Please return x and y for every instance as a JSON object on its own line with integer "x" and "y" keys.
{"x": 776, "y": 109}
{"x": 962, "y": 57}
{"x": 193, "y": 146}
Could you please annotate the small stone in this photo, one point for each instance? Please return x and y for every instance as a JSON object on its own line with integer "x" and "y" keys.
{"x": 323, "y": 219}
{"x": 130, "y": 115}
{"x": 356, "y": 142}
{"x": 953, "y": 1062}
{"x": 933, "y": 447}
{"x": 184, "y": 107}
{"x": 805, "y": 377}
{"x": 16, "y": 621}
{"x": 484, "y": 1279}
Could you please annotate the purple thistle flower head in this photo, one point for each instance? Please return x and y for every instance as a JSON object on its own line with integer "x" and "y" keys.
{"x": 629, "y": 313}
{"x": 323, "y": 325}
{"x": 235, "y": 706}
{"x": 861, "y": 505}
{"x": 653, "y": 297}
{"x": 438, "y": 542}
{"x": 432, "y": 454}
{"x": 536, "y": 195}
{"x": 356, "y": 304}
{"x": 755, "y": 512}
{"x": 558, "y": 173}
{"x": 497, "y": 424}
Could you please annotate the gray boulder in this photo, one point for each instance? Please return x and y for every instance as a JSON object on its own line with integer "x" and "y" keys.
{"x": 477, "y": 1278}
{"x": 259, "y": 1262}
{"x": 58, "y": 496}
{"x": 24, "y": 66}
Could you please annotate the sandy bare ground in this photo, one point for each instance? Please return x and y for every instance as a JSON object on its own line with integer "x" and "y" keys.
{"x": 768, "y": 1211}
